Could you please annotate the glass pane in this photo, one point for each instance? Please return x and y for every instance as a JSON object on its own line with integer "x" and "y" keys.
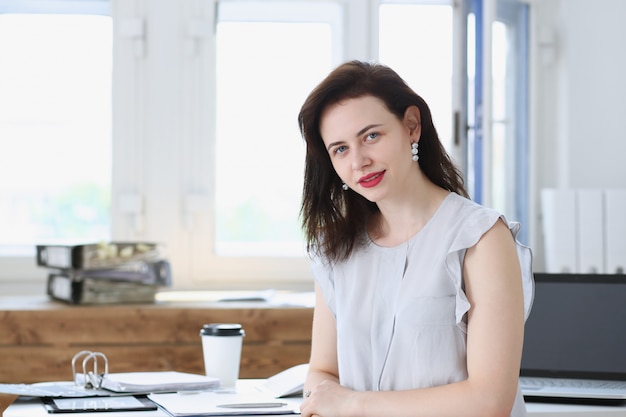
{"x": 501, "y": 116}
{"x": 55, "y": 129}
{"x": 265, "y": 70}
{"x": 510, "y": 111}
{"x": 424, "y": 58}
{"x": 471, "y": 181}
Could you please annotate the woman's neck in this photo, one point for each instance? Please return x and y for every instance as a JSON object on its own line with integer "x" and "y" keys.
{"x": 400, "y": 220}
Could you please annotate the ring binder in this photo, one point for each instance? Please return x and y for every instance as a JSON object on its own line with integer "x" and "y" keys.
{"x": 91, "y": 379}
{"x": 93, "y": 383}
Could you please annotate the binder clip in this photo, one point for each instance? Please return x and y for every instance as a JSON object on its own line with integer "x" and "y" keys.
{"x": 89, "y": 379}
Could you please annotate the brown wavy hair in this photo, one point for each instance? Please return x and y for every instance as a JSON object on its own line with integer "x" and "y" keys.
{"x": 335, "y": 221}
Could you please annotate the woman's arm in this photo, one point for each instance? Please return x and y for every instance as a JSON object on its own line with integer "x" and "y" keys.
{"x": 323, "y": 361}
{"x": 493, "y": 286}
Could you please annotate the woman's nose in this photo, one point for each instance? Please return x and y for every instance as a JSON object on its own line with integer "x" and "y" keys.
{"x": 360, "y": 158}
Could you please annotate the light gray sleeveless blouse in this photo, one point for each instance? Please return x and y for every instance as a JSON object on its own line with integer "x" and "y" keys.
{"x": 401, "y": 311}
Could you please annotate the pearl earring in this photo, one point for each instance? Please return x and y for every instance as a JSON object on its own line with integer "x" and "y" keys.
{"x": 344, "y": 186}
{"x": 414, "y": 148}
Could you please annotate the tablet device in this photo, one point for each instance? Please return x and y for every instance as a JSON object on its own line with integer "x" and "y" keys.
{"x": 98, "y": 404}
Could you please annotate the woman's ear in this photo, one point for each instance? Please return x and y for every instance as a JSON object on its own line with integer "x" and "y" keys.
{"x": 412, "y": 120}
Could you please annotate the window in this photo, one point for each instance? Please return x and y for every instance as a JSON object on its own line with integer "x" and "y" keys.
{"x": 509, "y": 179}
{"x": 497, "y": 104}
{"x": 427, "y": 31}
{"x": 195, "y": 143}
{"x": 268, "y": 60}
{"x": 55, "y": 124}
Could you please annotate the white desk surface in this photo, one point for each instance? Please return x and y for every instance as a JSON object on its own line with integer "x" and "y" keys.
{"x": 32, "y": 407}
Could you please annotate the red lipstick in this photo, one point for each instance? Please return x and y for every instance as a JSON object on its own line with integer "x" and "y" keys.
{"x": 371, "y": 180}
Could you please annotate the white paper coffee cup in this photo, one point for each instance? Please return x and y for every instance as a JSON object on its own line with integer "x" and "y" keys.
{"x": 221, "y": 348}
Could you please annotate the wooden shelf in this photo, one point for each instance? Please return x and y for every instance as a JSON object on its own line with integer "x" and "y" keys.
{"x": 38, "y": 337}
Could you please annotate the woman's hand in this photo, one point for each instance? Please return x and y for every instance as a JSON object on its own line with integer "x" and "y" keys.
{"x": 329, "y": 399}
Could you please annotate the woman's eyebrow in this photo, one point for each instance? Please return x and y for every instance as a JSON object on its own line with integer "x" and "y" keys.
{"x": 366, "y": 128}
{"x": 330, "y": 145}
{"x": 358, "y": 134}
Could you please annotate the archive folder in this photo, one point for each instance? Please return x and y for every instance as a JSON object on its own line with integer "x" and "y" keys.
{"x": 101, "y": 255}
{"x": 90, "y": 290}
{"x": 91, "y": 378}
{"x": 135, "y": 382}
{"x": 590, "y": 231}
{"x": 615, "y": 231}
{"x": 140, "y": 272}
{"x": 559, "y": 229}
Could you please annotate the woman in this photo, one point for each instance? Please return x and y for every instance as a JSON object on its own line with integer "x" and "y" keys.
{"x": 421, "y": 294}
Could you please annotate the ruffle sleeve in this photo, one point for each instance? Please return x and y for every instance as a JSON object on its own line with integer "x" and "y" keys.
{"x": 323, "y": 275}
{"x": 468, "y": 238}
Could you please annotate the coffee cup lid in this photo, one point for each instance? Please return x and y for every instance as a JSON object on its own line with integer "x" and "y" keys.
{"x": 222, "y": 329}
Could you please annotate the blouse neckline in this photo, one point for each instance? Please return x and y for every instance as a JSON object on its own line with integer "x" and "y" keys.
{"x": 419, "y": 232}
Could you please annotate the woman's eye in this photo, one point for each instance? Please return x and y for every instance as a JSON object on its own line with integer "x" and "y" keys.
{"x": 371, "y": 136}
{"x": 341, "y": 149}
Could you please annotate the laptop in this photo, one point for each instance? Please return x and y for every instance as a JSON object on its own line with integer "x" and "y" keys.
{"x": 575, "y": 338}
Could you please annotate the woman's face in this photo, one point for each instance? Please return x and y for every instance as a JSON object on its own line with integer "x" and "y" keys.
{"x": 370, "y": 148}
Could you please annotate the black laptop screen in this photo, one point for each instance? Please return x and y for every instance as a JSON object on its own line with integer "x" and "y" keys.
{"x": 577, "y": 327}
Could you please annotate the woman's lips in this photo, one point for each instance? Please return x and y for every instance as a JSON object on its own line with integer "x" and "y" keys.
{"x": 371, "y": 180}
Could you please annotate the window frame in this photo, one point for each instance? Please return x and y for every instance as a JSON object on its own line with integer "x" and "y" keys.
{"x": 95, "y": 7}
{"x": 181, "y": 212}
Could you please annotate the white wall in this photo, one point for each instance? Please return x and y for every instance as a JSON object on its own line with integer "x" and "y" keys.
{"x": 578, "y": 105}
